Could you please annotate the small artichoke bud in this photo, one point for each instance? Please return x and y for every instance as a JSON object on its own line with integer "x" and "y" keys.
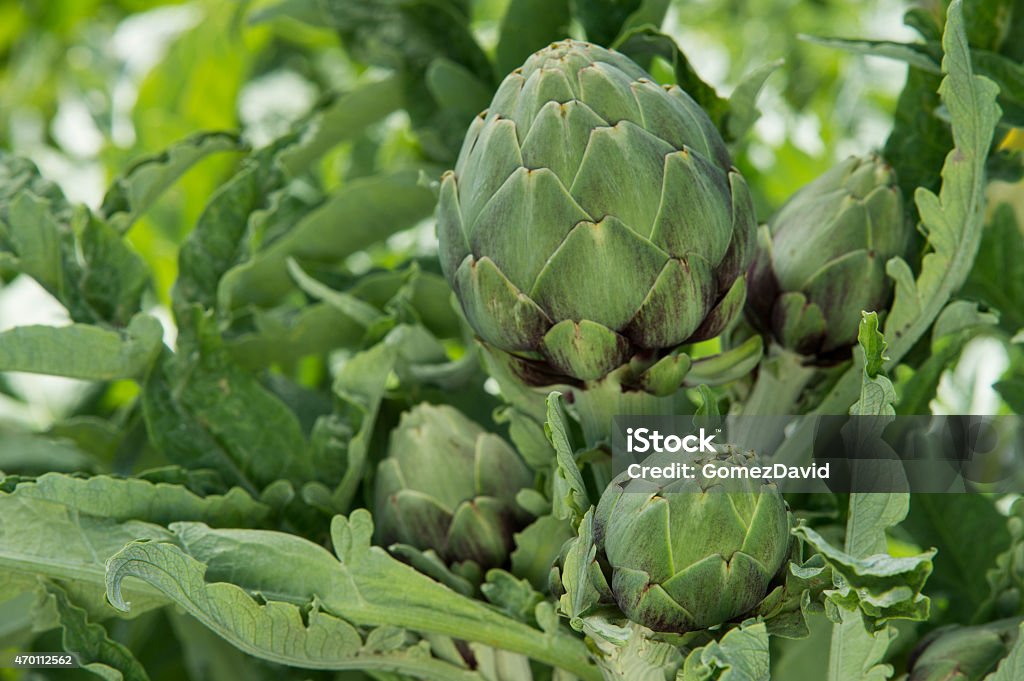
{"x": 821, "y": 258}
{"x": 593, "y": 216}
{"x": 684, "y": 557}
{"x": 963, "y": 653}
{"x": 448, "y": 485}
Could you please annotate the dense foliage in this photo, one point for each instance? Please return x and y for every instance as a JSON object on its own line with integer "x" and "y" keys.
{"x": 307, "y": 365}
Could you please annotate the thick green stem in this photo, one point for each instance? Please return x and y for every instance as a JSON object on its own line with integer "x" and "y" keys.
{"x": 597, "y": 406}
{"x": 780, "y": 383}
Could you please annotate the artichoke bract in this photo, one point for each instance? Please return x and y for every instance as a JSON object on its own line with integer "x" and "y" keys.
{"x": 450, "y": 486}
{"x": 593, "y": 216}
{"x": 684, "y": 556}
{"x": 821, "y": 258}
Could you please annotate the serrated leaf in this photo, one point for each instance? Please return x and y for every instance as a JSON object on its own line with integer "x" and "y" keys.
{"x": 363, "y": 212}
{"x": 741, "y": 655}
{"x": 881, "y": 586}
{"x": 953, "y": 219}
{"x": 72, "y": 549}
{"x": 89, "y": 642}
{"x": 211, "y": 573}
{"x": 205, "y": 411}
{"x": 145, "y": 179}
{"x": 216, "y": 243}
{"x": 569, "y": 496}
{"x": 82, "y": 350}
{"x": 124, "y": 499}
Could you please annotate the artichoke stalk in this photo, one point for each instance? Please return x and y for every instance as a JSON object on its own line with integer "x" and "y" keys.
{"x": 684, "y": 556}
{"x": 594, "y": 221}
{"x": 821, "y": 258}
{"x": 450, "y": 486}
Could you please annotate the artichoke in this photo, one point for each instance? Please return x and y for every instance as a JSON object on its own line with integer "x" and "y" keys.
{"x": 821, "y": 258}
{"x": 963, "y": 653}
{"x": 593, "y": 216}
{"x": 448, "y": 485}
{"x": 685, "y": 557}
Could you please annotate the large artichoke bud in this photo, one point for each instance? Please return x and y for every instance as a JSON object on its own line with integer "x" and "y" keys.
{"x": 450, "y": 486}
{"x": 963, "y": 653}
{"x": 684, "y": 556}
{"x": 821, "y": 258}
{"x": 593, "y": 216}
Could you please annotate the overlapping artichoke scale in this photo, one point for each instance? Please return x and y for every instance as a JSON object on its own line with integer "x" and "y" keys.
{"x": 601, "y": 272}
{"x": 496, "y": 309}
{"x": 585, "y": 350}
{"x": 841, "y": 289}
{"x": 414, "y": 518}
{"x": 542, "y": 213}
{"x": 481, "y": 530}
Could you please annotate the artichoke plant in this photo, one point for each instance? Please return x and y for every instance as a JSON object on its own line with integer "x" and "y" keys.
{"x": 450, "y": 486}
{"x": 821, "y": 258}
{"x": 963, "y": 653}
{"x": 684, "y": 556}
{"x": 593, "y": 217}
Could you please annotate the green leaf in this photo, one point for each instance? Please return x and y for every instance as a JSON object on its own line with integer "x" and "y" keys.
{"x": 880, "y": 586}
{"x": 89, "y": 642}
{"x": 953, "y": 219}
{"x": 537, "y": 548}
{"x": 741, "y": 655}
{"x": 83, "y": 351}
{"x": 457, "y": 89}
{"x": 644, "y": 44}
{"x": 203, "y": 410}
{"x": 282, "y": 336}
{"x": 343, "y": 117}
{"x": 360, "y": 385}
{"x": 209, "y": 572}
{"x": 956, "y": 572}
{"x": 277, "y": 631}
{"x": 135, "y": 190}
{"x": 606, "y": 20}
{"x": 743, "y": 111}
{"x": 923, "y": 57}
{"x": 361, "y": 213}
{"x": 871, "y": 586}
{"x": 127, "y": 499}
{"x": 529, "y": 25}
{"x": 72, "y": 549}
{"x": 569, "y": 496}
{"x": 727, "y": 366}
{"x": 216, "y": 243}
{"x": 997, "y": 277}
{"x": 1012, "y": 667}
